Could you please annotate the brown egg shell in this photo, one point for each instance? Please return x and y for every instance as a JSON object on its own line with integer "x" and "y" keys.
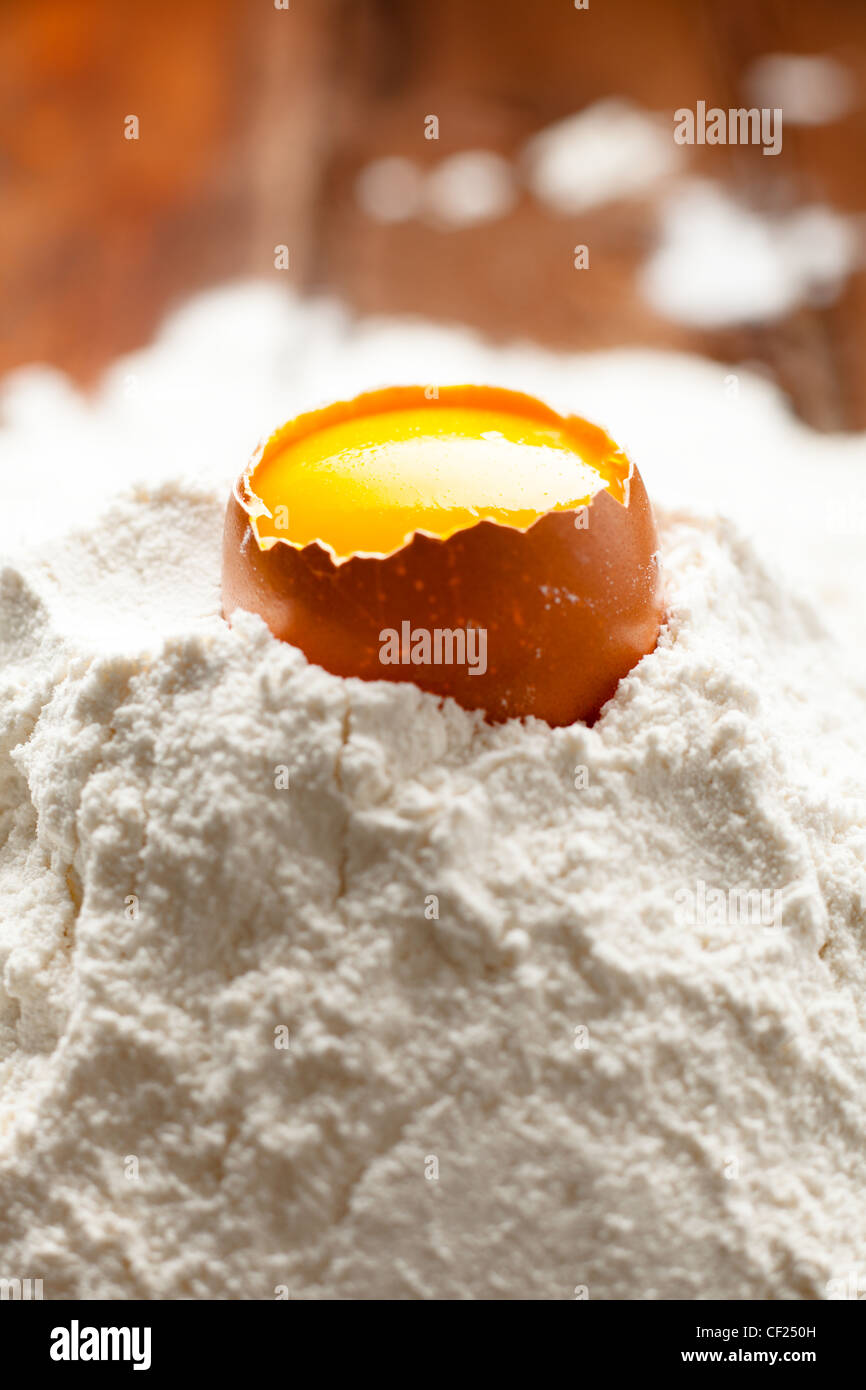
{"x": 568, "y": 611}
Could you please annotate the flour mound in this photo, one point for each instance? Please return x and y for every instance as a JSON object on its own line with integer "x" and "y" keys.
{"x": 427, "y": 1022}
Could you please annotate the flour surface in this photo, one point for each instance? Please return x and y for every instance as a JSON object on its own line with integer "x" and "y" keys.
{"x": 456, "y": 1013}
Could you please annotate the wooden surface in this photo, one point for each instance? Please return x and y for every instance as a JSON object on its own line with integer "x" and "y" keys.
{"x": 255, "y": 123}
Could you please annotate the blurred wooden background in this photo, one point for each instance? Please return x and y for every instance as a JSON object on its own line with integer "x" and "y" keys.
{"x": 255, "y": 122}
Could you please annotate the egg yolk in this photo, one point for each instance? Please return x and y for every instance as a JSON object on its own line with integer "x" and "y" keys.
{"x": 365, "y": 485}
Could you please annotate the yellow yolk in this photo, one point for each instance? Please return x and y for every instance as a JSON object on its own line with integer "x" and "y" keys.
{"x": 365, "y": 485}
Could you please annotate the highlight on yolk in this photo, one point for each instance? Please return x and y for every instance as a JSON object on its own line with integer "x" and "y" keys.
{"x": 366, "y": 485}
{"x": 476, "y": 544}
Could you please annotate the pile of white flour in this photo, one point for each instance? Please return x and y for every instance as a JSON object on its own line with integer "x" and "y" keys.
{"x": 431, "y": 1021}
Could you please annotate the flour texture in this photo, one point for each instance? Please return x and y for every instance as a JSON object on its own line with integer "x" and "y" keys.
{"x": 319, "y": 988}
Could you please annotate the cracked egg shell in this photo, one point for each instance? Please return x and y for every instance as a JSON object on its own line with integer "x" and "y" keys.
{"x": 478, "y": 509}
